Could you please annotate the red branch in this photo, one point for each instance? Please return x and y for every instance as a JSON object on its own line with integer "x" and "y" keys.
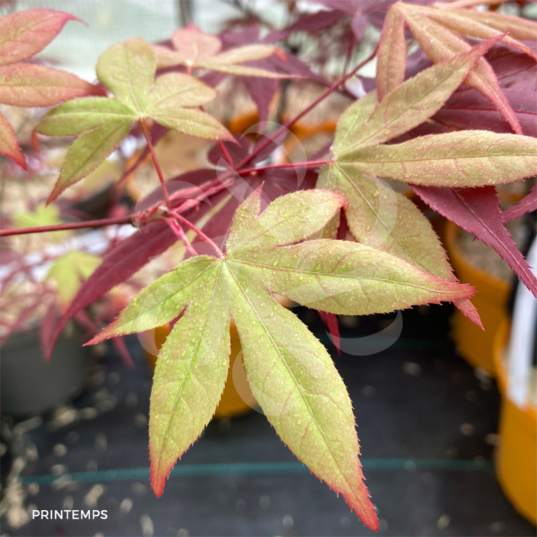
{"x": 213, "y": 186}
{"x": 309, "y": 108}
{"x": 294, "y": 165}
{"x": 155, "y": 162}
{"x": 64, "y": 227}
{"x": 200, "y": 233}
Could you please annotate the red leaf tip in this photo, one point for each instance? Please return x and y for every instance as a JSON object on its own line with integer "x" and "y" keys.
{"x": 158, "y": 478}
{"x": 98, "y": 338}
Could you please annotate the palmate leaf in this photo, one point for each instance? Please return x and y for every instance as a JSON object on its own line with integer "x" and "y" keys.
{"x": 193, "y": 48}
{"x": 290, "y": 372}
{"x": 22, "y": 35}
{"x": 39, "y": 216}
{"x": 467, "y": 158}
{"x": 364, "y": 124}
{"x": 386, "y": 220}
{"x": 438, "y": 32}
{"x": 128, "y": 70}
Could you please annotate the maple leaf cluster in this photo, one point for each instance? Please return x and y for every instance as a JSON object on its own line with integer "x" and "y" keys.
{"x": 452, "y": 125}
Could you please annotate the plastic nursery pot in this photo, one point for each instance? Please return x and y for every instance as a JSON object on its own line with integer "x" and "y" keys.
{"x": 516, "y": 458}
{"x": 305, "y": 133}
{"x": 474, "y": 344}
{"x": 28, "y": 385}
{"x": 237, "y": 398}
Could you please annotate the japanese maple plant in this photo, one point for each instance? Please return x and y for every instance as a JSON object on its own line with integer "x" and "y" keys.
{"x": 251, "y": 230}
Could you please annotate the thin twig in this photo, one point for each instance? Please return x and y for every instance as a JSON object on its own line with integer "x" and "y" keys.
{"x": 178, "y": 230}
{"x": 286, "y": 166}
{"x": 200, "y": 233}
{"x": 289, "y": 123}
{"x": 63, "y": 227}
{"x": 224, "y": 150}
{"x": 156, "y": 163}
{"x": 222, "y": 147}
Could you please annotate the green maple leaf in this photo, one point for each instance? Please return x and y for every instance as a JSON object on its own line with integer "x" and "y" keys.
{"x": 127, "y": 69}
{"x": 40, "y": 216}
{"x": 290, "y": 372}
{"x": 386, "y": 220}
{"x": 458, "y": 159}
{"x": 69, "y": 271}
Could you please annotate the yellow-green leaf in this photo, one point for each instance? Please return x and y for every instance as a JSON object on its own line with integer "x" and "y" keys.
{"x": 161, "y": 301}
{"x": 81, "y": 115}
{"x": 88, "y": 151}
{"x": 41, "y": 216}
{"x": 300, "y": 391}
{"x": 286, "y": 220}
{"x": 127, "y": 69}
{"x": 346, "y": 278}
{"x": 410, "y": 103}
{"x": 190, "y": 375}
{"x": 178, "y": 90}
{"x": 290, "y": 372}
{"x": 69, "y": 271}
{"x": 457, "y": 159}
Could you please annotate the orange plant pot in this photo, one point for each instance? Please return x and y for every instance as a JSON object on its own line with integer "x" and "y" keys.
{"x": 303, "y": 132}
{"x": 516, "y": 458}
{"x": 474, "y": 344}
{"x": 237, "y": 398}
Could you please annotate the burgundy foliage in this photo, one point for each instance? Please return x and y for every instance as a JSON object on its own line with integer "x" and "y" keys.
{"x": 477, "y": 210}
